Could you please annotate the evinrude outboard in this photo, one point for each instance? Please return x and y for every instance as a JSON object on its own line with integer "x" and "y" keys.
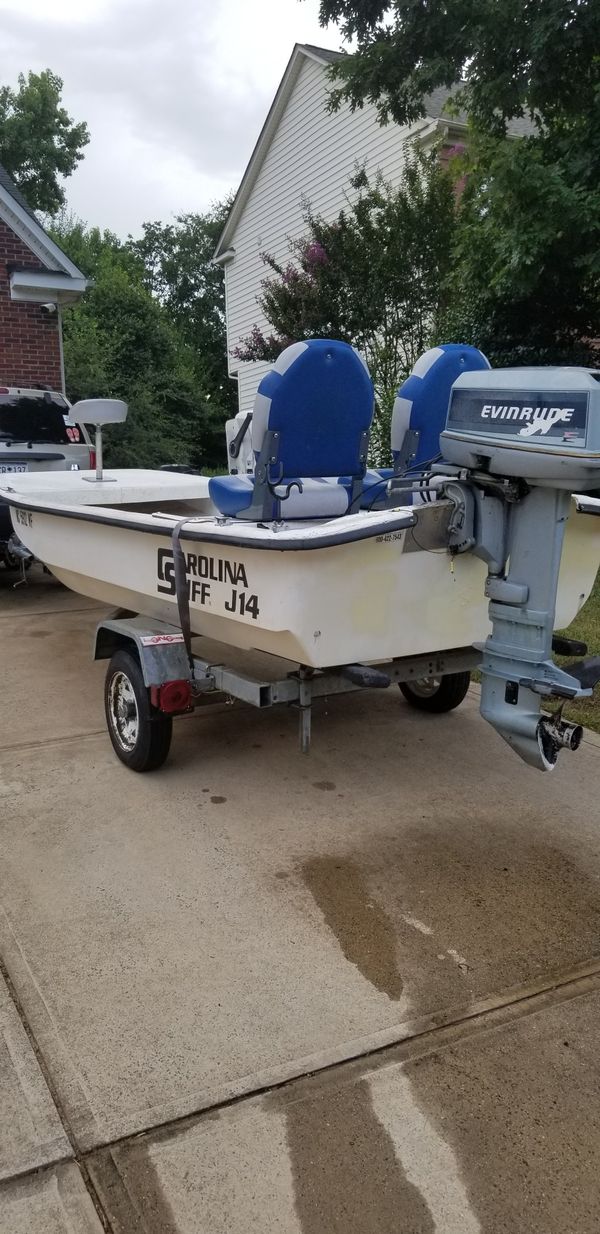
{"x": 523, "y": 441}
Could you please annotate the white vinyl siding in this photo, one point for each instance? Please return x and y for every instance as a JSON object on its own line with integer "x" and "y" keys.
{"x": 249, "y": 376}
{"x": 312, "y": 156}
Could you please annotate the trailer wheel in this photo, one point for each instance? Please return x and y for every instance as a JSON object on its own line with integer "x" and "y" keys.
{"x": 436, "y": 694}
{"x": 140, "y": 735}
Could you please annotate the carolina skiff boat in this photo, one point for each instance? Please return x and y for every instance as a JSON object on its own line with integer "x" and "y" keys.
{"x": 321, "y": 562}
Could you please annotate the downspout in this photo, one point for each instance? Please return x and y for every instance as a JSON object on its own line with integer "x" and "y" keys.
{"x": 61, "y": 349}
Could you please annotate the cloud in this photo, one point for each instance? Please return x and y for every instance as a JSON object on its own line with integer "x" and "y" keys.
{"x": 174, "y": 93}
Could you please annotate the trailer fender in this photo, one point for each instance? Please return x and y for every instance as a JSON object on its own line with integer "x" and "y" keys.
{"x": 160, "y": 647}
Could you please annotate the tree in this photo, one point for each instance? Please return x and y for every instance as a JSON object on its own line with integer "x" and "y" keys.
{"x": 39, "y": 141}
{"x": 525, "y": 280}
{"x": 179, "y": 272}
{"x": 120, "y": 341}
{"x": 527, "y": 267}
{"x": 511, "y": 59}
{"x": 373, "y": 277}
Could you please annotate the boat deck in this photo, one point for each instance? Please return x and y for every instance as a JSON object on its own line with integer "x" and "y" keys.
{"x": 120, "y": 486}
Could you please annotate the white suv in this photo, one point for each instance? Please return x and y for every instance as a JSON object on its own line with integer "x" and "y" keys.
{"x": 36, "y": 434}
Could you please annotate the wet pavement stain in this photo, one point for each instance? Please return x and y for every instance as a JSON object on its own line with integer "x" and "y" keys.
{"x": 522, "y": 1120}
{"x": 218, "y": 801}
{"x": 522, "y": 1123}
{"x": 347, "y": 1178}
{"x": 366, "y": 934}
{"x": 131, "y": 1191}
{"x": 502, "y": 906}
{"x": 326, "y": 786}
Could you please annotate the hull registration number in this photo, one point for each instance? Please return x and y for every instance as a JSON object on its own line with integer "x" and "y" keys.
{"x": 12, "y": 467}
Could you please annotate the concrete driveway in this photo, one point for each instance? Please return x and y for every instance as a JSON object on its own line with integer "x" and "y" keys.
{"x": 357, "y": 992}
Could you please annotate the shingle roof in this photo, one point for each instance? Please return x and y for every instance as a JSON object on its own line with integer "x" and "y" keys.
{"x": 16, "y": 193}
{"x": 324, "y": 53}
{"x": 436, "y": 106}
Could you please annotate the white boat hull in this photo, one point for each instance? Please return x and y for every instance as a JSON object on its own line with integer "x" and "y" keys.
{"x": 368, "y": 600}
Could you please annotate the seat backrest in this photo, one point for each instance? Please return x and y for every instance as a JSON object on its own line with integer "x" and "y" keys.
{"x": 319, "y": 399}
{"x": 422, "y": 401}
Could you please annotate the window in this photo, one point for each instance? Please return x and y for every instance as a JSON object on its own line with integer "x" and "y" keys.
{"x": 36, "y": 418}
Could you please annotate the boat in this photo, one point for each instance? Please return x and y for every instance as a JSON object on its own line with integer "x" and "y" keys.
{"x": 321, "y": 561}
{"x": 378, "y": 587}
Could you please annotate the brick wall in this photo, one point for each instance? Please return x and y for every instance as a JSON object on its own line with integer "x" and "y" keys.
{"x": 29, "y": 345}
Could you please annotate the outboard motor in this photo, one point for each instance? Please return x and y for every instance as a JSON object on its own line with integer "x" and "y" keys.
{"x": 522, "y": 441}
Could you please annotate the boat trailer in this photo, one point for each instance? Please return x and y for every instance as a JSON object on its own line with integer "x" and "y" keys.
{"x": 177, "y": 683}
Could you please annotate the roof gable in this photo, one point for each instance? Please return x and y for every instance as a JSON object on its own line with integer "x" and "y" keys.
{"x": 17, "y": 214}
{"x": 435, "y": 105}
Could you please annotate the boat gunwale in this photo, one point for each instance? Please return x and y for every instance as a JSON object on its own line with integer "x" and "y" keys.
{"x": 277, "y": 542}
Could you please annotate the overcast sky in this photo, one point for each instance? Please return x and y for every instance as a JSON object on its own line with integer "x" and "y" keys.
{"x": 174, "y": 92}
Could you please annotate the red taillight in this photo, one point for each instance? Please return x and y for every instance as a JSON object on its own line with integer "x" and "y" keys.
{"x": 172, "y": 696}
{"x": 4, "y": 390}
{"x": 92, "y": 459}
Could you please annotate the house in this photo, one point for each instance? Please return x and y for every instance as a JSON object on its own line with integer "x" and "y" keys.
{"x": 36, "y": 280}
{"x": 306, "y": 152}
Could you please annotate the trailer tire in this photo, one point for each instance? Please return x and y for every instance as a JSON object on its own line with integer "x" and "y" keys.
{"x": 140, "y": 734}
{"x": 436, "y": 694}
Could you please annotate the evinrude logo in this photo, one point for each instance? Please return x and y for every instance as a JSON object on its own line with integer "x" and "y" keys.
{"x": 561, "y": 416}
{"x": 539, "y": 419}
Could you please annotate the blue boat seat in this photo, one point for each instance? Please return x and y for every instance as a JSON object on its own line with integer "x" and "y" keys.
{"x": 419, "y": 414}
{"x": 421, "y": 404}
{"x": 310, "y": 428}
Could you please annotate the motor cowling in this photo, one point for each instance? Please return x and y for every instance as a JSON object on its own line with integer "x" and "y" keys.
{"x": 541, "y": 425}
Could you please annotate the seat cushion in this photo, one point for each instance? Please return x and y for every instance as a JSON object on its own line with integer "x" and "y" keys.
{"x": 231, "y": 494}
{"x": 320, "y": 497}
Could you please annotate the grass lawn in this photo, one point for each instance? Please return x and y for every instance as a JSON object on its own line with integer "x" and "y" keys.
{"x": 587, "y": 628}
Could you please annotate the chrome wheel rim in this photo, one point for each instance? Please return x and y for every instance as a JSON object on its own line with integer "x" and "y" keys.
{"x": 425, "y": 687}
{"x": 123, "y": 711}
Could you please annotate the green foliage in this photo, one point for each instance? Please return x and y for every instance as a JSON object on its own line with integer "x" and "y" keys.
{"x": 372, "y": 277}
{"x": 38, "y": 139}
{"x": 121, "y": 341}
{"x": 179, "y": 272}
{"x": 526, "y": 278}
{"x": 526, "y": 275}
{"x": 511, "y": 59}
